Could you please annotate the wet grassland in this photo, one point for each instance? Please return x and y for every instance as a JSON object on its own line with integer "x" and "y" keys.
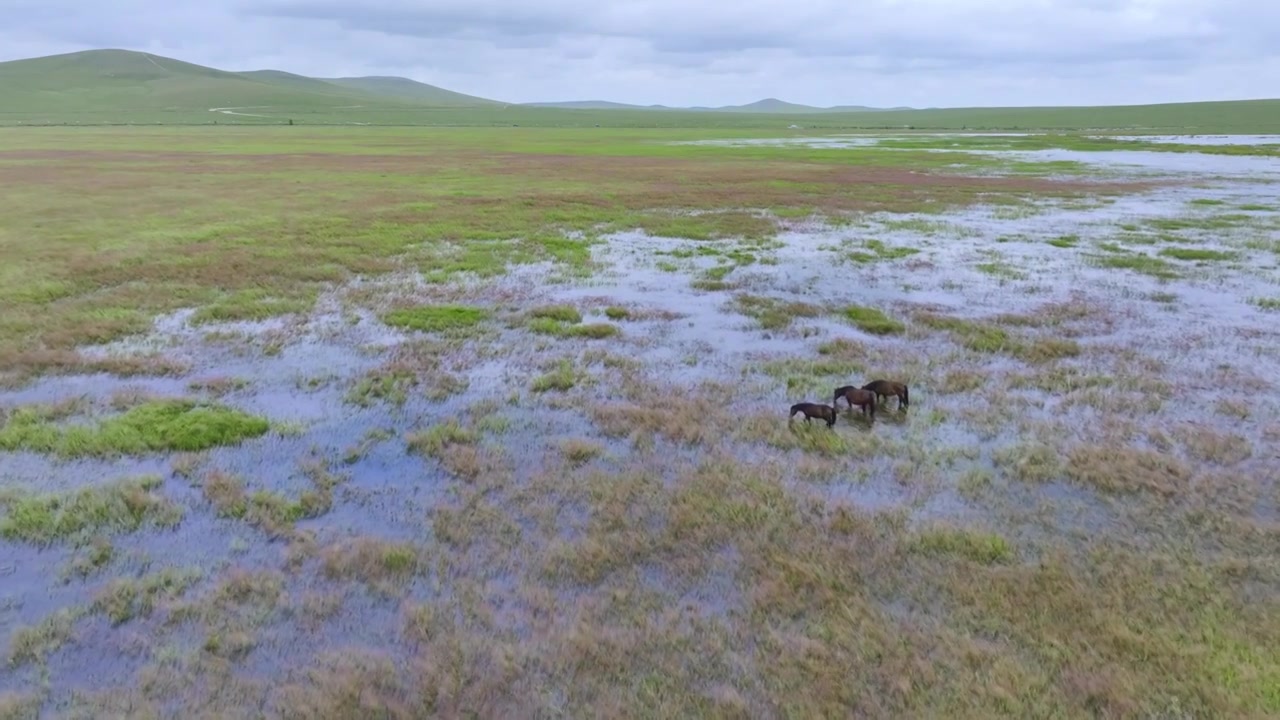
{"x": 404, "y": 423}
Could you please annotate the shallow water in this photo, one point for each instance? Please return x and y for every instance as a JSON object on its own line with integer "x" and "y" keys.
{"x": 1203, "y": 327}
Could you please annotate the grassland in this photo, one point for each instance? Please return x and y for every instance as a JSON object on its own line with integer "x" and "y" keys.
{"x": 424, "y": 429}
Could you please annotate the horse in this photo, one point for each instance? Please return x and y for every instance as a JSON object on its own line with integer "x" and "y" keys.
{"x": 884, "y": 388}
{"x": 855, "y": 396}
{"x": 814, "y": 410}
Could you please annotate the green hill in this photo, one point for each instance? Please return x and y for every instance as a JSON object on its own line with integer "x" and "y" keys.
{"x": 409, "y": 90}
{"x": 128, "y": 86}
{"x": 108, "y": 79}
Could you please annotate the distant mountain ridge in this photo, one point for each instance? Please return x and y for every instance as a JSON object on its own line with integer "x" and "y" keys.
{"x": 767, "y": 105}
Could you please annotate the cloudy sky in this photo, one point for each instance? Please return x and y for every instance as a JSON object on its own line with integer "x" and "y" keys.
{"x": 713, "y": 52}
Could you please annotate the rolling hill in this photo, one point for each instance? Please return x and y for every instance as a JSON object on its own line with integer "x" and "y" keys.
{"x": 127, "y": 84}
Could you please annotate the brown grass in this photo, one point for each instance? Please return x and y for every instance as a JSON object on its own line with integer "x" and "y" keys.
{"x": 1121, "y": 469}
{"x": 382, "y": 565}
{"x": 1206, "y": 445}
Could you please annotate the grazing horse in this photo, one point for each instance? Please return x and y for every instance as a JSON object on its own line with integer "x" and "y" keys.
{"x": 854, "y": 396}
{"x": 885, "y": 388}
{"x": 814, "y": 410}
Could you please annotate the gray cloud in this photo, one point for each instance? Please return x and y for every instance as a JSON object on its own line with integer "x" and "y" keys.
{"x": 879, "y": 52}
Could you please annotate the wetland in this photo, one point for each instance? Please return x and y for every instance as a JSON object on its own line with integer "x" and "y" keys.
{"x": 436, "y": 422}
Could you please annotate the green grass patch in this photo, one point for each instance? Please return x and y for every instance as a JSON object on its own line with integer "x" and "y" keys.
{"x": 390, "y": 385}
{"x": 617, "y": 313}
{"x": 433, "y": 441}
{"x": 980, "y": 547}
{"x": 871, "y": 320}
{"x": 437, "y": 318}
{"x": 119, "y": 506}
{"x": 1065, "y": 241}
{"x": 563, "y": 378}
{"x": 1265, "y": 303}
{"x": 773, "y": 313}
{"x": 558, "y": 313}
{"x": 1137, "y": 262}
{"x": 124, "y": 599}
{"x": 1225, "y": 221}
{"x": 154, "y": 426}
{"x": 1000, "y": 269}
{"x": 974, "y": 335}
{"x": 591, "y": 331}
{"x": 252, "y": 304}
{"x": 1186, "y": 253}
{"x": 877, "y": 251}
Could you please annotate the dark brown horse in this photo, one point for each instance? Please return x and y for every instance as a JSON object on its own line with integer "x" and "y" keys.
{"x": 814, "y": 410}
{"x": 862, "y": 398}
{"x": 884, "y": 388}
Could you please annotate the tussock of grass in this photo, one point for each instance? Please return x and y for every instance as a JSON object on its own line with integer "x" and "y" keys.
{"x": 562, "y": 379}
{"x": 877, "y": 251}
{"x": 36, "y": 642}
{"x": 961, "y": 381}
{"x": 1186, "y": 253}
{"x": 976, "y": 336}
{"x": 871, "y": 320}
{"x": 1065, "y": 241}
{"x": 559, "y": 313}
{"x": 1122, "y": 469}
{"x": 271, "y": 512}
{"x": 617, "y": 313}
{"x": 563, "y": 321}
{"x": 390, "y": 385}
{"x": 843, "y": 348}
{"x": 1030, "y": 462}
{"x": 684, "y": 417}
{"x": 120, "y": 506}
{"x": 252, "y": 304}
{"x": 437, "y": 318}
{"x": 433, "y": 441}
{"x": 1145, "y": 264}
{"x": 1047, "y": 349}
{"x": 124, "y": 599}
{"x": 773, "y": 313}
{"x": 980, "y": 547}
{"x": 158, "y": 426}
{"x": 1266, "y": 303}
{"x": 580, "y": 451}
{"x": 381, "y": 564}
{"x": 1207, "y": 445}
{"x": 1000, "y": 269}
{"x": 593, "y": 331}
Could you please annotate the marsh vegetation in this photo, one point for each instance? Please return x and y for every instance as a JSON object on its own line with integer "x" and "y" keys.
{"x": 333, "y": 423}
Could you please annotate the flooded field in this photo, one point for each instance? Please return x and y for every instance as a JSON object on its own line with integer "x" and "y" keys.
{"x": 548, "y": 492}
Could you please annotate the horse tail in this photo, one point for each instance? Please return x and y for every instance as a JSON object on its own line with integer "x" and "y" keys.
{"x": 905, "y": 399}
